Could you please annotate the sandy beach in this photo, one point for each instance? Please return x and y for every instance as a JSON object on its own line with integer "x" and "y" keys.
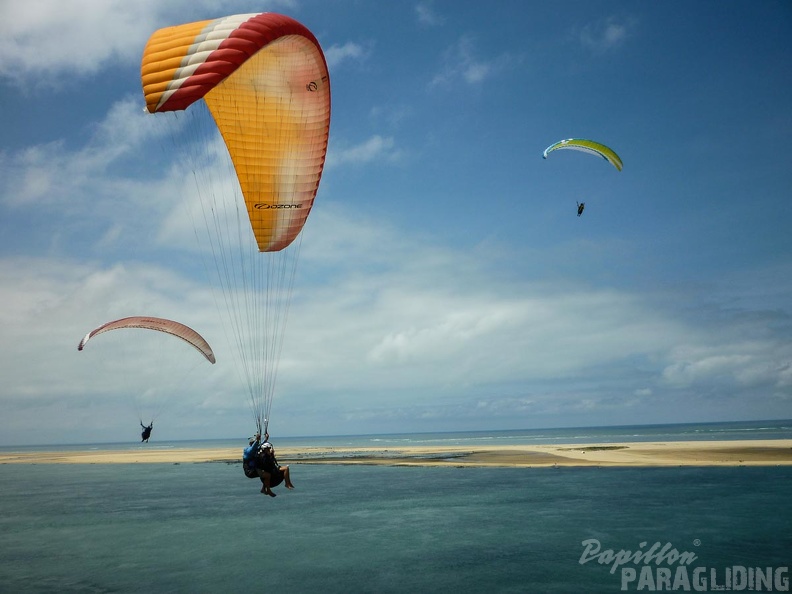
{"x": 681, "y": 453}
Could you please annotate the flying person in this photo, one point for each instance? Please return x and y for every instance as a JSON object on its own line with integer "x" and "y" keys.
{"x": 273, "y": 472}
{"x": 251, "y": 464}
{"x": 249, "y": 456}
{"x": 258, "y": 460}
{"x": 581, "y": 206}
{"x": 146, "y": 431}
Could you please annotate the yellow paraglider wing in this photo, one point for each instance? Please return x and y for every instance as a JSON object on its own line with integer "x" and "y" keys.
{"x": 587, "y": 146}
{"x": 264, "y": 79}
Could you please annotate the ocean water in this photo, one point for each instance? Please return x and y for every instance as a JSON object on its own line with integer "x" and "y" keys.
{"x": 206, "y": 528}
{"x": 775, "y": 429}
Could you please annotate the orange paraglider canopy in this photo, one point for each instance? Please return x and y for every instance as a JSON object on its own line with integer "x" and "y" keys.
{"x": 264, "y": 79}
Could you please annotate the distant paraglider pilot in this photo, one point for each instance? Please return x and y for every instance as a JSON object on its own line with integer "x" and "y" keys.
{"x": 581, "y": 206}
{"x": 146, "y": 431}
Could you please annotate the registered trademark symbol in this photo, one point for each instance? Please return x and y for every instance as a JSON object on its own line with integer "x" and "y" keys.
{"x": 696, "y": 542}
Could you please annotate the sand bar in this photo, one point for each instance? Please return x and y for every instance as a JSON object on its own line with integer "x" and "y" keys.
{"x": 672, "y": 453}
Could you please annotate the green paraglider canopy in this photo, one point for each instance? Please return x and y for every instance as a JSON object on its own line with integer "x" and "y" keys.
{"x": 587, "y": 146}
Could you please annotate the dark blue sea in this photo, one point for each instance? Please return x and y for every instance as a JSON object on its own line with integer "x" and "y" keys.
{"x": 206, "y": 528}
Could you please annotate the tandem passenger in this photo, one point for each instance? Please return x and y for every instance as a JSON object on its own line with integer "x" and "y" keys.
{"x": 274, "y": 473}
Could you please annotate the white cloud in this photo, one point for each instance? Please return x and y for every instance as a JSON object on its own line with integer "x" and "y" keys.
{"x": 606, "y": 34}
{"x": 427, "y": 16}
{"x": 423, "y": 317}
{"x": 46, "y": 42}
{"x": 461, "y": 62}
{"x": 376, "y": 148}
{"x": 391, "y": 116}
{"x": 755, "y": 363}
{"x": 49, "y": 173}
{"x": 50, "y": 37}
{"x": 338, "y": 54}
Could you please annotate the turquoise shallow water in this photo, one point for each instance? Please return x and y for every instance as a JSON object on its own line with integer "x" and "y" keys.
{"x": 206, "y": 528}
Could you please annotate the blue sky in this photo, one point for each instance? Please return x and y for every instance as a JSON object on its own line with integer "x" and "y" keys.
{"x": 445, "y": 282}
